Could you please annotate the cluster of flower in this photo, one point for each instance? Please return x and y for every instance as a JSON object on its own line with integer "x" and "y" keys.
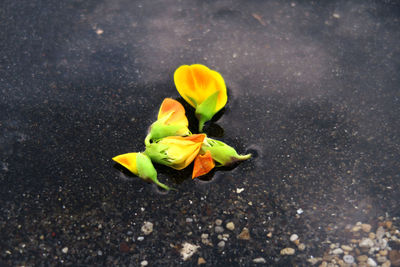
{"x": 170, "y": 142}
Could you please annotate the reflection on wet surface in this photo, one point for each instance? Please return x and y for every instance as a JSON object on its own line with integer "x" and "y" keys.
{"x": 313, "y": 94}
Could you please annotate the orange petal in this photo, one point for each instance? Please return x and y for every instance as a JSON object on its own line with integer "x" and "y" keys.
{"x": 127, "y": 160}
{"x": 197, "y": 138}
{"x": 203, "y": 164}
{"x": 170, "y": 105}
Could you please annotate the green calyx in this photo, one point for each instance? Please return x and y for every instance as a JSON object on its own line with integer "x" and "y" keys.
{"x": 206, "y": 110}
{"x": 222, "y": 153}
{"x": 147, "y": 171}
{"x": 157, "y": 153}
{"x": 160, "y": 130}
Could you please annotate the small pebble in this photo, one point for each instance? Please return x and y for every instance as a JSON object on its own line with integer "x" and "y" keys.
{"x": 366, "y": 243}
{"x": 388, "y": 224}
{"x": 100, "y": 253}
{"x": 301, "y": 246}
{"x": 221, "y": 244}
{"x": 245, "y": 234}
{"x": 294, "y": 237}
{"x": 348, "y": 259}
{"x": 230, "y": 226}
{"x": 383, "y": 252}
{"x": 381, "y": 259}
{"x": 362, "y": 258}
{"x": 239, "y": 190}
{"x": 65, "y": 250}
{"x": 314, "y": 261}
{"x": 372, "y": 235}
{"x": 299, "y": 211}
{"x": 346, "y": 248}
{"x": 366, "y": 227}
{"x": 99, "y": 31}
{"x": 144, "y": 263}
{"x": 371, "y": 262}
{"x": 140, "y": 238}
{"x": 204, "y": 236}
{"x": 218, "y": 222}
{"x": 394, "y": 256}
{"x": 201, "y": 261}
{"x": 259, "y": 260}
{"x": 147, "y": 228}
{"x": 380, "y": 232}
{"x": 337, "y": 251}
{"x": 188, "y": 250}
{"x": 287, "y": 251}
{"x": 189, "y": 220}
{"x": 386, "y": 264}
{"x": 218, "y": 229}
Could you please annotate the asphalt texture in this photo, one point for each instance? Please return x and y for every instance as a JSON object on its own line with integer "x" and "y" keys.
{"x": 313, "y": 94}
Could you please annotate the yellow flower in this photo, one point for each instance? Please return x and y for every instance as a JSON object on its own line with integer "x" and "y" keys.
{"x": 171, "y": 121}
{"x": 203, "y": 89}
{"x": 175, "y": 151}
{"x": 140, "y": 165}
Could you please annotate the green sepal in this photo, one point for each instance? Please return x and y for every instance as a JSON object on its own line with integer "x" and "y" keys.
{"x": 147, "y": 171}
{"x": 222, "y": 153}
{"x": 206, "y": 110}
{"x": 157, "y": 153}
{"x": 160, "y": 130}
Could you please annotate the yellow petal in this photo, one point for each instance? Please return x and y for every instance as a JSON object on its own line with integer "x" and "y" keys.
{"x": 127, "y": 160}
{"x": 183, "y": 150}
{"x": 195, "y": 83}
{"x": 174, "y": 110}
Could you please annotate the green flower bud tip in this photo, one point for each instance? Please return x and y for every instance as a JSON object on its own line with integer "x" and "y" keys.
{"x": 222, "y": 153}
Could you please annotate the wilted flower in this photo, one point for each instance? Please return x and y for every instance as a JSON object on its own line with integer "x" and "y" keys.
{"x": 140, "y": 165}
{"x": 175, "y": 151}
{"x": 203, "y": 164}
{"x": 222, "y": 153}
{"x": 171, "y": 121}
{"x": 203, "y": 89}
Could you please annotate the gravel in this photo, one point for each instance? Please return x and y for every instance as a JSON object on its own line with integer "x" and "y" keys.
{"x": 288, "y": 251}
{"x": 218, "y": 229}
{"x": 230, "y": 226}
{"x": 294, "y": 237}
{"x": 147, "y": 228}
{"x": 259, "y": 260}
{"x": 348, "y": 259}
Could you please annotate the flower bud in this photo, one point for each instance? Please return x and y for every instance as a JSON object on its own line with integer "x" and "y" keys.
{"x": 140, "y": 165}
{"x": 175, "y": 151}
{"x": 222, "y": 153}
{"x": 171, "y": 121}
